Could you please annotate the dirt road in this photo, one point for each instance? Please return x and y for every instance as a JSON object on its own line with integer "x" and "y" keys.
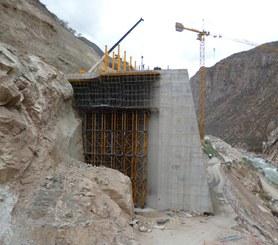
{"x": 181, "y": 229}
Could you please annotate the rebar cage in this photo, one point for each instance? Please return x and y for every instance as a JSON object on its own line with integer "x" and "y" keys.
{"x": 115, "y": 111}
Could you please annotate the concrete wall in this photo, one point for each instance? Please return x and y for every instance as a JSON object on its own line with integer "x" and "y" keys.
{"x": 176, "y": 169}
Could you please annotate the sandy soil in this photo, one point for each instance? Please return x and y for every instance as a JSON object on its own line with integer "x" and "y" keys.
{"x": 180, "y": 228}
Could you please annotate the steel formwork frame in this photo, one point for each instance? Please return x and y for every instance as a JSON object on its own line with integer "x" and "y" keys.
{"x": 115, "y": 110}
{"x": 122, "y": 91}
{"x": 118, "y": 140}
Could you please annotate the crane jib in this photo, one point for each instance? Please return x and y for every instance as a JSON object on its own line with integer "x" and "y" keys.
{"x": 115, "y": 45}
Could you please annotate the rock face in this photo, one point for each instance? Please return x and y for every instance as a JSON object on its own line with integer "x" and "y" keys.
{"x": 241, "y": 97}
{"x": 270, "y": 148}
{"x": 29, "y": 26}
{"x": 76, "y": 204}
{"x": 47, "y": 196}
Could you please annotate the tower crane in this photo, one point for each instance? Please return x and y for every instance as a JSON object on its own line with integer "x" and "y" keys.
{"x": 202, "y": 76}
{"x": 202, "y": 72}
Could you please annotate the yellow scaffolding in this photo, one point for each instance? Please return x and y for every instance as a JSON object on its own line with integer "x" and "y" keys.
{"x": 118, "y": 140}
{"x": 115, "y": 108}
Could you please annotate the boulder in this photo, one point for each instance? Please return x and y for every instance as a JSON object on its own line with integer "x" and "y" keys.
{"x": 51, "y": 196}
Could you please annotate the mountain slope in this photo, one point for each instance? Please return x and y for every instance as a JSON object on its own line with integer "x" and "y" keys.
{"x": 241, "y": 97}
{"x": 92, "y": 45}
{"x": 30, "y": 27}
{"x": 47, "y": 196}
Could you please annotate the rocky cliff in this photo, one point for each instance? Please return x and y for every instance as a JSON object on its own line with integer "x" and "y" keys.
{"x": 47, "y": 194}
{"x": 241, "y": 97}
{"x": 270, "y": 147}
{"x": 29, "y": 26}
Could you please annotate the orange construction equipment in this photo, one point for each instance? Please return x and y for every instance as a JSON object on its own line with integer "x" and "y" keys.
{"x": 202, "y": 77}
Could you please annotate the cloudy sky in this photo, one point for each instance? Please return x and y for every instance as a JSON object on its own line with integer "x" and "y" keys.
{"x": 241, "y": 23}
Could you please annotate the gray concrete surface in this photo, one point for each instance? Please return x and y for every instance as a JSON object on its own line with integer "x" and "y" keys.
{"x": 176, "y": 169}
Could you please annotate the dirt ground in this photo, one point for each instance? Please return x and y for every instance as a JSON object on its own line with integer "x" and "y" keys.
{"x": 231, "y": 222}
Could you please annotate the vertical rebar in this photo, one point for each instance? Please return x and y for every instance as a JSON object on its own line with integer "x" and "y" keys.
{"x": 85, "y": 137}
{"x": 103, "y": 146}
{"x": 130, "y": 63}
{"x": 118, "y": 138}
{"x": 144, "y": 162}
{"x": 113, "y": 61}
{"x": 119, "y": 59}
{"x": 123, "y": 167}
{"x": 92, "y": 150}
{"x": 124, "y": 60}
{"x": 106, "y": 59}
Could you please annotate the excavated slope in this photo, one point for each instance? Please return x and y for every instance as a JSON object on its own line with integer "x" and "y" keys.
{"x": 47, "y": 194}
{"x": 241, "y": 98}
{"x": 29, "y": 26}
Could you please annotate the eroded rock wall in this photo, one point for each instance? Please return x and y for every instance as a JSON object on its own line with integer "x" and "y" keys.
{"x": 47, "y": 195}
{"x": 30, "y": 27}
{"x": 270, "y": 147}
{"x": 241, "y": 97}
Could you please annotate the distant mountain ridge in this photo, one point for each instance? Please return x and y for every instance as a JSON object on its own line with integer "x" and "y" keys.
{"x": 242, "y": 97}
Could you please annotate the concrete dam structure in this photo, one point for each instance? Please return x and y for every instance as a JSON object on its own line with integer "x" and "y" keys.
{"x": 143, "y": 123}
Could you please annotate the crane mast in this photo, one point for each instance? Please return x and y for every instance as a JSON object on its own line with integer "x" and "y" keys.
{"x": 202, "y": 77}
{"x": 202, "y": 71}
{"x": 202, "y": 86}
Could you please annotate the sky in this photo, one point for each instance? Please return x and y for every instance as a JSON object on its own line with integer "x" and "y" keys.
{"x": 241, "y": 23}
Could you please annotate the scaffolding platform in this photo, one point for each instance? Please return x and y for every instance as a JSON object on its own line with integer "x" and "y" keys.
{"x": 115, "y": 108}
